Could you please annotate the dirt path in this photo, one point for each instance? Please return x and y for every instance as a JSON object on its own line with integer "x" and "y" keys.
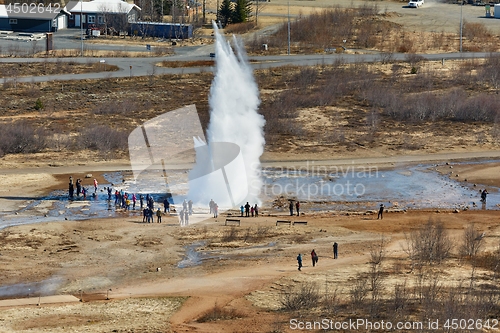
{"x": 228, "y": 288}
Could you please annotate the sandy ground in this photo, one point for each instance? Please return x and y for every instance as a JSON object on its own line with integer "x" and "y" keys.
{"x": 137, "y": 266}
{"x": 156, "y": 285}
{"x": 146, "y": 269}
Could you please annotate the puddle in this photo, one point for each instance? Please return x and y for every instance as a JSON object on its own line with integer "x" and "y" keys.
{"x": 41, "y": 288}
{"x": 414, "y": 187}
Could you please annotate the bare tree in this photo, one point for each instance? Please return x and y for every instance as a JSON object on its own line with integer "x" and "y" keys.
{"x": 377, "y": 257}
{"x": 472, "y": 241}
{"x": 429, "y": 244}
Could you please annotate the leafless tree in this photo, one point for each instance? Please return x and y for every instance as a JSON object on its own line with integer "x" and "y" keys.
{"x": 428, "y": 244}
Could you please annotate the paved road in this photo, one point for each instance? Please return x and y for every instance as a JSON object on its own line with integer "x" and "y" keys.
{"x": 146, "y": 66}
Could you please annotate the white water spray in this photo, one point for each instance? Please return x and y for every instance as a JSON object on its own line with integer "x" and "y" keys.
{"x": 233, "y": 101}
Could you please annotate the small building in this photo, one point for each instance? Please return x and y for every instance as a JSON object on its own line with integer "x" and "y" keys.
{"x": 117, "y": 14}
{"x": 162, "y": 30}
{"x": 24, "y": 21}
{"x": 496, "y": 10}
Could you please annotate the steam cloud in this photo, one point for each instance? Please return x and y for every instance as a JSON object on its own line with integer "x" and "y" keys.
{"x": 233, "y": 100}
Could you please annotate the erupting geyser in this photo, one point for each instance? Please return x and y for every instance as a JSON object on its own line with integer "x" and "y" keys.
{"x": 235, "y": 133}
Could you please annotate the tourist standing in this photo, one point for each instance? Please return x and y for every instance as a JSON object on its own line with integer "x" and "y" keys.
{"x": 297, "y": 207}
{"x": 380, "y": 212}
{"x": 158, "y": 215}
{"x": 335, "y": 250}
{"x": 247, "y": 210}
{"x": 291, "y": 208}
{"x": 71, "y": 189}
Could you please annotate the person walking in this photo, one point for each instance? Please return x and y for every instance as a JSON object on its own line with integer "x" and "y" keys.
{"x": 299, "y": 261}
{"x": 134, "y": 200}
{"x": 141, "y": 200}
{"x": 291, "y": 208}
{"x": 95, "y": 185}
{"x": 297, "y": 207}
{"x": 158, "y": 215}
{"x": 314, "y": 257}
{"x": 335, "y": 250}
{"x": 186, "y": 217}
{"x": 110, "y": 191}
{"x": 380, "y": 212}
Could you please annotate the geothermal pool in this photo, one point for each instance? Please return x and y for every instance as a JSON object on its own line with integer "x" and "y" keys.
{"x": 412, "y": 187}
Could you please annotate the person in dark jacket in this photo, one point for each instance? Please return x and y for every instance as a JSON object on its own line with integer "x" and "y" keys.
{"x": 314, "y": 257}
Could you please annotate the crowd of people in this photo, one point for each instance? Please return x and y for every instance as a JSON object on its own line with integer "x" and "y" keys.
{"x": 314, "y": 256}
{"x": 249, "y": 210}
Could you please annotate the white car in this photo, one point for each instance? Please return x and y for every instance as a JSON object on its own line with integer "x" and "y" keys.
{"x": 415, "y": 3}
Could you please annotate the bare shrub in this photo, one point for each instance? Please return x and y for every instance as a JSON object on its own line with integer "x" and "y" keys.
{"x": 230, "y": 235}
{"x": 305, "y": 78}
{"x": 330, "y": 300}
{"x": 478, "y": 108}
{"x": 429, "y": 244}
{"x": 256, "y": 235}
{"x": 104, "y": 139}
{"x": 116, "y": 107}
{"x": 490, "y": 72}
{"x": 473, "y": 31}
{"x": 304, "y": 295}
{"x": 372, "y": 124}
{"x": 377, "y": 257}
{"x": 414, "y": 59}
{"x": 358, "y": 291}
{"x": 21, "y": 137}
{"x": 239, "y": 28}
{"x": 400, "y": 298}
{"x": 375, "y": 274}
{"x": 472, "y": 240}
{"x": 220, "y": 313}
{"x": 367, "y": 9}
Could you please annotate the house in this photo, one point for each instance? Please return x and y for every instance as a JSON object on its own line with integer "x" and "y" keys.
{"x": 24, "y": 21}
{"x": 102, "y": 13}
{"x": 162, "y": 30}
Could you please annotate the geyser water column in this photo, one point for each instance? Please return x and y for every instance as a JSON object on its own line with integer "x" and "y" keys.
{"x": 234, "y": 101}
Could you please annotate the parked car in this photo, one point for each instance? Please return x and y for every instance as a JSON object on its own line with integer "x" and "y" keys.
{"x": 415, "y": 3}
